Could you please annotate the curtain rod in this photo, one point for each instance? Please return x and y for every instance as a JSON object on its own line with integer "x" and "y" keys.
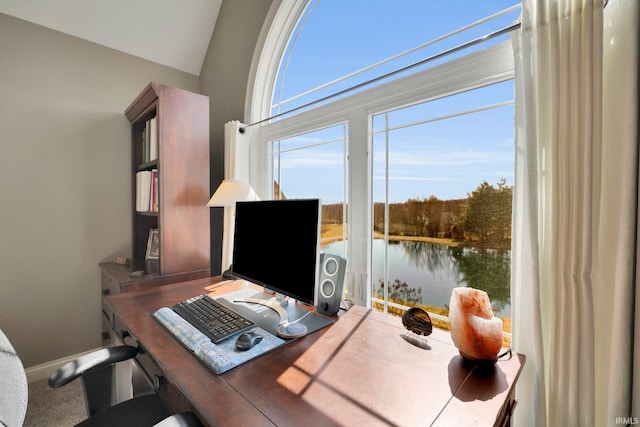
{"x": 450, "y": 51}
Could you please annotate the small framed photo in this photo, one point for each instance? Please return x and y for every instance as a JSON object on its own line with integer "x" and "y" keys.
{"x": 153, "y": 245}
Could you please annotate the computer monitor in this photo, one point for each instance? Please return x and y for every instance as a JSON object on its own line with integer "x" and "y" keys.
{"x": 276, "y": 245}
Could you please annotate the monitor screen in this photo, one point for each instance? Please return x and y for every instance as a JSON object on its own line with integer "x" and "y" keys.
{"x": 276, "y": 245}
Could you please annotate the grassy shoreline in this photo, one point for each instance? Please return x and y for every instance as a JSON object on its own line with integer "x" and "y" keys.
{"x": 333, "y": 233}
{"x": 444, "y": 325}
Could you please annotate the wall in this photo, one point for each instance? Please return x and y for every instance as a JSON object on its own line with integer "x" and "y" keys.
{"x": 64, "y": 182}
{"x": 224, "y": 79}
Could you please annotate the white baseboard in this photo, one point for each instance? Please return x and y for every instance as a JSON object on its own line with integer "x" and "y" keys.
{"x": 44, "y": 370}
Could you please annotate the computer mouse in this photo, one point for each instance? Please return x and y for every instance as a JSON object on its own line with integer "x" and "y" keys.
{"x": 248, "y": 340}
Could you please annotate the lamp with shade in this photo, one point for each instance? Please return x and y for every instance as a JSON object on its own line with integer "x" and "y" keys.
{"x": 226, "y": 195}
{"x": 231, "y": 191}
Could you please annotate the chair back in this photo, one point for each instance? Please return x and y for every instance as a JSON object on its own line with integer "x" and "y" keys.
{"x": 14, "y": 392}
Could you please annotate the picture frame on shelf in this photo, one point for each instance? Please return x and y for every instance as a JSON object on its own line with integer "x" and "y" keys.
{"x": 153, "y": 245}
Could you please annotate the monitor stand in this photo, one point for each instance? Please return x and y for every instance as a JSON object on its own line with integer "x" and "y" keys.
{"x": 273, "y": 303}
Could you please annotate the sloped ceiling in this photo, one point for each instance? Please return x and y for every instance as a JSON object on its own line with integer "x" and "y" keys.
{"x": 175, "y": 33}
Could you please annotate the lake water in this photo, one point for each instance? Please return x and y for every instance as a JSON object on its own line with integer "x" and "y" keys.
{"x": 437, "y": 269}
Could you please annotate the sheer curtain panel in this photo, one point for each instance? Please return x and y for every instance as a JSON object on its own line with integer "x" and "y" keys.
{"x": 617, "y": 307}
{"x": 575, "y": 211}
{"x": 236, "y": 166}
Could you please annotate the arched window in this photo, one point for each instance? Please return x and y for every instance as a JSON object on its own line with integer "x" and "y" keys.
{"x": 415, "y": 168}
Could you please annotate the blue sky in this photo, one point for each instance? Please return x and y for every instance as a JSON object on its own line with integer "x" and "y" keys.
{"x": 447, "y": 159}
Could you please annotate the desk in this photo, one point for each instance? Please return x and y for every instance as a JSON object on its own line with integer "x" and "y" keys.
{"x": 359, "y": 371}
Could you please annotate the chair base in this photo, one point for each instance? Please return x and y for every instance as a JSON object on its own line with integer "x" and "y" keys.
{"x": 146, "y": 410}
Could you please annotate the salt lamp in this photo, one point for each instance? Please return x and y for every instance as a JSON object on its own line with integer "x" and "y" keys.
{"x": 474, "y": 329}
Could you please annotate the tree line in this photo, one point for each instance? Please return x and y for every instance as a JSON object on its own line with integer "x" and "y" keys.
{"x": 483, "y": 218}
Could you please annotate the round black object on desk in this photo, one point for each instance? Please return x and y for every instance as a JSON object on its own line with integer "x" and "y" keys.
{"x": 292, "y": 330}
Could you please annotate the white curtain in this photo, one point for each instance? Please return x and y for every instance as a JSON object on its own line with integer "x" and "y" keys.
{"x": 236, "y": 166}
{"x": 618, "y": 394}
{"x": 236, "y": 151}
{"x": 575, "y": 211}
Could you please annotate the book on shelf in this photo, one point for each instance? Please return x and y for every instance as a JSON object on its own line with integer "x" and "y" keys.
{"x": 149, "y": 140}
{"x": 154, "y": 190}
{"x": 147, "y": 191}
{"x": 153, "y": 139}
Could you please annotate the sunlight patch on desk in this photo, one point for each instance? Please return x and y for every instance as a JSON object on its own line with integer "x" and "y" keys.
{"x": 334, "y": 404}
{"x": 322, "y": 375}
{"x": 333, "y": 400}
{"x": 395, "y": 379}
{"x": 294, "y": 380}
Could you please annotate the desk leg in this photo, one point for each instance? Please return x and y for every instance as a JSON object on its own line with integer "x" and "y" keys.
{"x": 123, "y": 388}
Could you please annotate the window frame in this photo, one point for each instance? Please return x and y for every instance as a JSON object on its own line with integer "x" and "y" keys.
{"x": 484, "y": 67}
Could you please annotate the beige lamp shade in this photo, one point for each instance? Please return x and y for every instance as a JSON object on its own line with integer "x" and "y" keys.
{"x": 231, "y": 191}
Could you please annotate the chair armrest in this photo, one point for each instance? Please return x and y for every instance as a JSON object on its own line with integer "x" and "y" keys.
{"x": 97, "y": 359}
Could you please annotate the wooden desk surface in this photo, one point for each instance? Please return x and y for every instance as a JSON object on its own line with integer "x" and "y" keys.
{"x": 359, "y": 371}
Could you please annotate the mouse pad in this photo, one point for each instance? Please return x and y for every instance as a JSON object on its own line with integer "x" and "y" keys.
{"x": 218, "y": 357}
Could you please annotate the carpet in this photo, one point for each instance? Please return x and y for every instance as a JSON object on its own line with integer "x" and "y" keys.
{"x": 55, "y": 407}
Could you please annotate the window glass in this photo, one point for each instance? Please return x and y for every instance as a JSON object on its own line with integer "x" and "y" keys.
{"x": 337, "y": 38}
{"x": 313, "y": 165}
{"x": 405, "y": 171}
{"x": 442, "y": 186}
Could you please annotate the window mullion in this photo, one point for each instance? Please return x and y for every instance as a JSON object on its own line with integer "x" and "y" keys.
{"x": 345, "y": 184}
{"x": 386, "y": 214}
{"x": 359, "y": 212}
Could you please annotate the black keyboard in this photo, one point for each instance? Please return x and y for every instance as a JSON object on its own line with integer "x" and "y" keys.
{"x": 212, "y": 318}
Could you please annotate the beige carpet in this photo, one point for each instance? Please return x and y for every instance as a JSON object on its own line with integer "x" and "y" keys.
{"x": 55, "y": 407}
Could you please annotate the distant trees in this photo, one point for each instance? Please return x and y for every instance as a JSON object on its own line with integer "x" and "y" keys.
{"x": 485, "y": 269}
{"x": 332, "y": 214}
{"x": 424, "y": 215}
{"x": 487, "y": 217}
{"x": 430, "y": 217}
{"x": 483, "y": 218}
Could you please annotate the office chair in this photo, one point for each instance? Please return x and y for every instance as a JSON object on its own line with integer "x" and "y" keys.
{"x": 13, "y": 385}
{"x": 95, "y": 370}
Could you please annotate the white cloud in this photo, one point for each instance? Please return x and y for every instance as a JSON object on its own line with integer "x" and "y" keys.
{"x": 446, "y": 158}
{"x": 413, "y": 178}
{"x": 310, "y": 159}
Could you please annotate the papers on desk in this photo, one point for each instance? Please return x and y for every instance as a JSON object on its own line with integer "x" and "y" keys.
{"x": 221, "y": 357}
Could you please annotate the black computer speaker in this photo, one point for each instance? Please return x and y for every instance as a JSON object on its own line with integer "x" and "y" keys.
{"x": 331, "y": 283}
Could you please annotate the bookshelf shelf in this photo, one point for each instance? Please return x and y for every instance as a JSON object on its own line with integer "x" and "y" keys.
{"x": 147, "y": 166}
